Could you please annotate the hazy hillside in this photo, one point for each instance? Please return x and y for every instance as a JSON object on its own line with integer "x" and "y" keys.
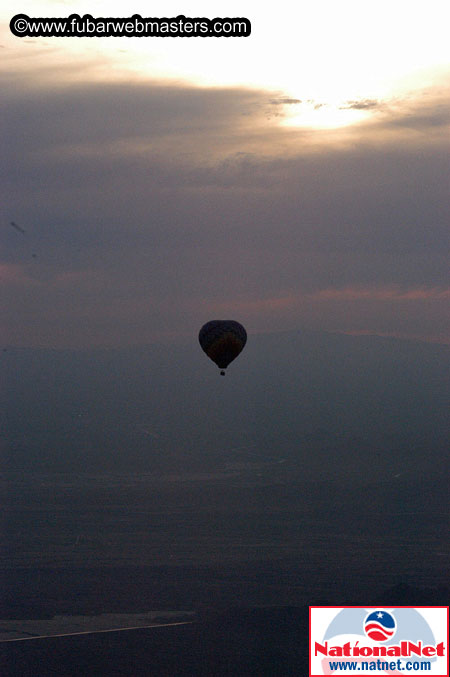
{"x": 310, "y": 404}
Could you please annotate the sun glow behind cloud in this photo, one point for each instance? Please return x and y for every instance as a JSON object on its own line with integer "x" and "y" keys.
{"x": 323, "y": 54}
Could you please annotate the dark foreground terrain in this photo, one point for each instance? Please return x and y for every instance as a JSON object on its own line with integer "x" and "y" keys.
{"x": 239, "y": 641}
{"x": 244, "y": 555}
{"x": 236, "y": 646}
{"x": 140, "y": 483}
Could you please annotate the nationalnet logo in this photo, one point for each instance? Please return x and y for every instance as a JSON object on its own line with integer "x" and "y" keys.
{"x": 356, "y": 640}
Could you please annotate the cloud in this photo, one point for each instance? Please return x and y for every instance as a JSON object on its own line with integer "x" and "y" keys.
{"x": 362, "y": 104}
{"x": 284, "y": 100}
{"x": 383, "y": 294}
{"x": 427, "y": 110}
{"x": 422, "y": 118}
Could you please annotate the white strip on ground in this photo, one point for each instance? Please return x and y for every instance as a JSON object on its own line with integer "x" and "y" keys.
{"x": 93, "y": 632}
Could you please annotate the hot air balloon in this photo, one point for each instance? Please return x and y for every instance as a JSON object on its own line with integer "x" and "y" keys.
{"x": 222, "y": 341}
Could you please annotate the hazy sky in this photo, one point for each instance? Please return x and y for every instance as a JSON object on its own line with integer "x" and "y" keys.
{"x": 294, "y": 179}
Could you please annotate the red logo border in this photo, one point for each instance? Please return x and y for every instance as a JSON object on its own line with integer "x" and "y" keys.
{"x": 381, "y": 606}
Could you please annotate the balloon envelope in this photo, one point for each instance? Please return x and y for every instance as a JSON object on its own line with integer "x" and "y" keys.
{"x": 222, "y": 341}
